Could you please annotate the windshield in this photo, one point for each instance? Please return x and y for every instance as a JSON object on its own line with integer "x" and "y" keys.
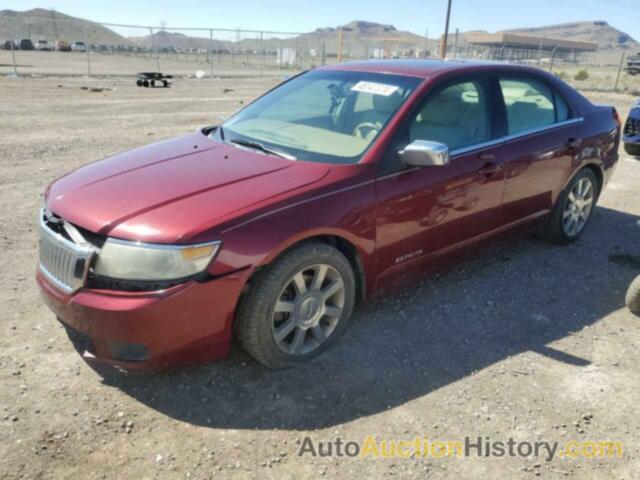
{"x": 321, "y": 116}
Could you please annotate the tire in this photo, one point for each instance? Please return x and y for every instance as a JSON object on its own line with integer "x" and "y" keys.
{"x": 145, "y": 83}
{"x": 259, "y": 321}
{"x": 632, "y": 300}
{"x": 139, "y": 83}
{"x": 632, "y": 149}
{"x": 555, "y": 230}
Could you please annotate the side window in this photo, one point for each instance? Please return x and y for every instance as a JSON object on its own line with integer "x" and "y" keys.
{"x": 529, "y": 104}
{"x": 457, "y": 116}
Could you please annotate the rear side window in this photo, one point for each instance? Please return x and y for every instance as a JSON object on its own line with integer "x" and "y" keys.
{"x": 529, "y": 104}
{"x": 457, "y": 116}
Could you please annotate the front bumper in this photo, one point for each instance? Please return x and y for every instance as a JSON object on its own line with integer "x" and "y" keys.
{"x": 186, "y": 324}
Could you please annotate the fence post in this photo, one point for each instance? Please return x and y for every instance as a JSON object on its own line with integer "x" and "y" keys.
{"x": 340, "y": 44}
{"x": 264, "y": 54}
{"x": 155, "y": 50}
{"x": 615, "y": 89}
{"x": 324, "y": 53}
{"x": 455, "y": 43}
{"x": 86, "y": 44}
{"x": 13, "y": 57}
{"x": 553, "y": 57}
{"x": 210, "y": 53}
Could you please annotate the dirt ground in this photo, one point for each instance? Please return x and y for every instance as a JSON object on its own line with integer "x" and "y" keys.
{"x": 527, "y": 341}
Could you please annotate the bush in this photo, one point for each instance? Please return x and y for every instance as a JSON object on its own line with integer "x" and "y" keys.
{"x": 562, "y": 75}
{"x": 581, "y": 75}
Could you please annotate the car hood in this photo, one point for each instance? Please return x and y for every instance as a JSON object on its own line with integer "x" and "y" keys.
{"x": 171, "y": 191}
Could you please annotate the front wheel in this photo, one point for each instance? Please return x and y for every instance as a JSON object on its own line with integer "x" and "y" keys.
{"x": 632, "y": 300}
{"x": 573, "y": 209}
{"x": 298, "y": 307}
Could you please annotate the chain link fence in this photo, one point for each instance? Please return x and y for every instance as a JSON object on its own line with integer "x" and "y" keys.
{"x": 60, "y": 45}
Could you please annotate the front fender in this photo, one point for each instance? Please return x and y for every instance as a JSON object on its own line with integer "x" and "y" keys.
{"x": 346, "y": 213}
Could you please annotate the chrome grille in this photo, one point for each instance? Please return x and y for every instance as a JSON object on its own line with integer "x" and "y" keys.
{"x": 62, "y": 261}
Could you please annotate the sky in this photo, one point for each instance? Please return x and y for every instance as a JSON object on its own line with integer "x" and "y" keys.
{"x": 302, "y": 16}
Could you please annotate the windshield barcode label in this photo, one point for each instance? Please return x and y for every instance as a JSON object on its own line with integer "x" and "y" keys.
{"x": 374, "y": 88}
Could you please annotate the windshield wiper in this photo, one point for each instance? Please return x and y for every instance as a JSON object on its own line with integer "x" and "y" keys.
{"x": 262, "y": 148}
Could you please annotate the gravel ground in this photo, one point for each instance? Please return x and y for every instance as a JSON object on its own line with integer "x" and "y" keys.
{"x": 527, "y": 341}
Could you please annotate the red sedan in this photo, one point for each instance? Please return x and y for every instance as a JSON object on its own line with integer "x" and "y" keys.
{"x": 338, "y": 183}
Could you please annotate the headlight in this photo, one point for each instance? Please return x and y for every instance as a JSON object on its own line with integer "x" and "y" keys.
{"x": 144, "y": 261}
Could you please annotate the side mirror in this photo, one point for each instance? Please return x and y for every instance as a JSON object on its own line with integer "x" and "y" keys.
{"x": 425, "y": 153}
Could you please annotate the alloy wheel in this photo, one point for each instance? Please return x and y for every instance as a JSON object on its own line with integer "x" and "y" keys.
{"x": 578, "y": 207}
{"x": 308, "y": 309}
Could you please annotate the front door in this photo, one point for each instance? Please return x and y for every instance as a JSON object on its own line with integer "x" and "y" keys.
{"x": 427, "y": 216}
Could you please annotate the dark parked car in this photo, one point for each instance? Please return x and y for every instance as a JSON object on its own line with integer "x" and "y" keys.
{"x": 631, "y": 137}
{"x": 10, "y": 45}
{"x": 26, "y": 44}
{"x": 341, "y": 182}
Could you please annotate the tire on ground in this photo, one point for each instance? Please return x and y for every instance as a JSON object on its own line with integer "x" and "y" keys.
{"x": 255, "y": 312}
{"x": 632, "y": 300}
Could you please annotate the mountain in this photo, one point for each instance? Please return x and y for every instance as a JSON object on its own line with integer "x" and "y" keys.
{"x": 607, "y": 37}
{"x": 40, "y": 23}
{"x": 164, "y": 39}
{"x": 360, "y": 35}
{"x": 358, "y": 38}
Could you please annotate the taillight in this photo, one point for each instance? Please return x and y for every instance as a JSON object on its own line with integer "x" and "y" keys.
{"x": 616, "y": 117}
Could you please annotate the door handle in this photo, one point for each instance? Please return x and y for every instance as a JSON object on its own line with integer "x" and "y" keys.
{"x": 490, "y": 168}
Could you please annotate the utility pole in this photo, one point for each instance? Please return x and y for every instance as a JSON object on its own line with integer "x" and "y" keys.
{"x": 443, "y": 45}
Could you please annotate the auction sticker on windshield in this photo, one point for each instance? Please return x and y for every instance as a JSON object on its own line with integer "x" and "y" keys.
{"x": 374, "y": 88}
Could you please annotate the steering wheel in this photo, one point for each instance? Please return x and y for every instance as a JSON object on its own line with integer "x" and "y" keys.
{"x": 359, "y": 130}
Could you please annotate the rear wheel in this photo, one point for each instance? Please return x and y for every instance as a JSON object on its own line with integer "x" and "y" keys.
{"x": 298, "y": 307}
{"x": 632, "y": 300}
{"x": 573, "y": 209}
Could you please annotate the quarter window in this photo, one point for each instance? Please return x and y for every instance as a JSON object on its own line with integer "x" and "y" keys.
{"x": 531, "y": 104}
{"x": 457, "y": 116}
{"x": 562, "y": 110}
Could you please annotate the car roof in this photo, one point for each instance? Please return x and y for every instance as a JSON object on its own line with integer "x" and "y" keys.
{"x": 424, "y": 68}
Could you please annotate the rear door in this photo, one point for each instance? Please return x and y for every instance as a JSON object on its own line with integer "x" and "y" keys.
{"x": 542, "y": 139}
{"x": 427, "y": 216}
